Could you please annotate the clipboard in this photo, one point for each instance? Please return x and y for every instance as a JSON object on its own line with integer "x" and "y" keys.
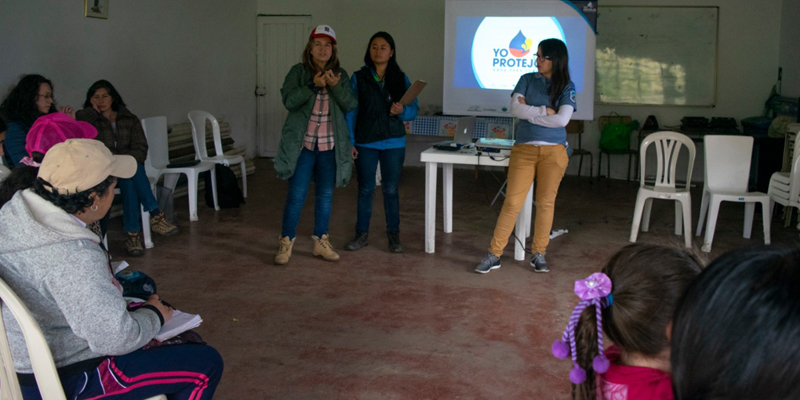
{"x": 412, "y": 92}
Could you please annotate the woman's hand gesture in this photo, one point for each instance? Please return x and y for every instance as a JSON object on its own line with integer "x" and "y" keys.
{"x": 332, "y": 79}
{"x": 354, "y": 152}
{"x": 67, "y": 110}
{"x": 396, "y": 109}
{"x": 320, "y": 79}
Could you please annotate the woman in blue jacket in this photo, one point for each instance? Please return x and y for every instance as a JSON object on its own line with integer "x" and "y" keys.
{"x": 378, "y": 136}
{"x": 31, "y": 98}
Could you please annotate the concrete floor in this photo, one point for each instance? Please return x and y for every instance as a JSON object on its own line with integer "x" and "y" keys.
{"x": 376, "y": 325}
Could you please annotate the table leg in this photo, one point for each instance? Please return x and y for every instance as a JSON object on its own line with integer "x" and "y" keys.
{"x": 430, "y": 206}
{"x": 447, "y": 197}
{"x": 523, "y": 227}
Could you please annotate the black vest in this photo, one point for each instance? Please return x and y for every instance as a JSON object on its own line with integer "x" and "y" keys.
{"x": 374, "y": 103}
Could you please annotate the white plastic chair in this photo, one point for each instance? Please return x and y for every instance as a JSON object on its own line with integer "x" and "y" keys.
{"x": 727, "y": 170}
{"x": 44, "y": 368}
{"x": 667, "y": 146}
{"x": 198, "y": 119}
{"x": 784, "y": 187}
{"x": 155, "y": 128}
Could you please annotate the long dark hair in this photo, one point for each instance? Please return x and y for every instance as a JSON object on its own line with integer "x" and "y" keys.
{"x": 735, "y": 334}
{"x": 395, "y": 78}
{"x": 311, "y": 66}
{"x": 556, "y": 51}
{"x": 20, "y": 103}
{"x": 116, "y": 99}
{"x": 647, "y": 282}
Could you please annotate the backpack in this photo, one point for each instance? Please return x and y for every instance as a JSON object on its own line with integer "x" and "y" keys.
{"x": 228, "y": 193}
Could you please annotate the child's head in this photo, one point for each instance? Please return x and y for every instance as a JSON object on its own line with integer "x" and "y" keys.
{"x": 736, "y": 331}
{"x": 646, "y": 282}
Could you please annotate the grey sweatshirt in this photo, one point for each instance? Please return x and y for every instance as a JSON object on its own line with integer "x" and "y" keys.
{"x": 58, "y": 269}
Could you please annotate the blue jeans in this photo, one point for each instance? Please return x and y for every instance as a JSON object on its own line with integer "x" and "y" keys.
{"x": 321, "y": 165}
{"x": 391, "y": 166}
{"x": 181, "y": 371}
{"x": 136, "y": 191}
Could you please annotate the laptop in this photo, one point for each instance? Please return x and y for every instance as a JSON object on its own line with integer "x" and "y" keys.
{"x": 465, "y": 127}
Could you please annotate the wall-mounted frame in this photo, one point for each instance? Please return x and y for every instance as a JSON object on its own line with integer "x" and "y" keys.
{"x": 95, "y": 8}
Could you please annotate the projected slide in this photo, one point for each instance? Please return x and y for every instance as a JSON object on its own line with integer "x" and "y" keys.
{"x": 490, "y": 44}
{"x": 493, "y": 52}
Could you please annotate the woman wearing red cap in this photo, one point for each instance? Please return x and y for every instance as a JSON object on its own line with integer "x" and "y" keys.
{"x": 315, "y": 141}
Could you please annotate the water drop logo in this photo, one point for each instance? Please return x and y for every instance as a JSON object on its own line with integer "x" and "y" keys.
{"x": 520, "y": 45}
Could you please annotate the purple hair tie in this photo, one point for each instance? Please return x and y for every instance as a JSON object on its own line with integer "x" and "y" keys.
{"x": 592, "y": 291}
{"x": 29, "y": 162}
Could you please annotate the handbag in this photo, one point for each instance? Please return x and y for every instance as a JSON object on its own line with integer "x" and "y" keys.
{"x": 616, "y": 134}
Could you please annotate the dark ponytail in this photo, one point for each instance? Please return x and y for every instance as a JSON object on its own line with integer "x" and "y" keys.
{"x": 556, "y": 51}
{"x": 647, "y": 282}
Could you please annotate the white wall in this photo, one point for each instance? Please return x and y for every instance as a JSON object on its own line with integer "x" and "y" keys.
{"x": 749, "y": 51}
{"x": 790, "y": 47}
{"x": 164, "y": 57}
{"x": 417, "y": 27}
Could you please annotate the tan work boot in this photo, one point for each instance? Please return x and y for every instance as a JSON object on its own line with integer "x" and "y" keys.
{"x": 322, "y": 247}
{"x": 133, "y": 244}
{"x": 284, "y": 251}
{"x": 160, "y": 225}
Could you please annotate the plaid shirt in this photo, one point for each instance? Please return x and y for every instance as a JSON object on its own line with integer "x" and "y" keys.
{"x": 320, "y": 129}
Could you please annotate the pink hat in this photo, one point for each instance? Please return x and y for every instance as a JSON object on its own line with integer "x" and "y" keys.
{"x": 324, "y": 31}
{"x": 54, "y": 128}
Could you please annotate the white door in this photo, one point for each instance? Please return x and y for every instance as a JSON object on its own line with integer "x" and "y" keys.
{"x": 281, "y": 41}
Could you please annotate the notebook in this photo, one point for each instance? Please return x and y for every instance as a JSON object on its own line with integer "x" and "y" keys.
{"x": 179, "y": 323}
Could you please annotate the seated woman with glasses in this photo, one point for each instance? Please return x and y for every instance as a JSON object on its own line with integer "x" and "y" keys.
{"x": 59, "y": 270}
{"x": 121, "y": 131}
{"x": 31, "y": 98}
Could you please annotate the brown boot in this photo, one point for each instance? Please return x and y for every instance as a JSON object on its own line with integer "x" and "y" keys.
{"x": 284, "y": 251}
{"x": 322, "y": 247}
{"x": 160, "y": 225}
{"x": 133, "y": 244}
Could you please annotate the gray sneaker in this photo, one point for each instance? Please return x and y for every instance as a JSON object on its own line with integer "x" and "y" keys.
{"x": 488, "y": 263}
{"x": 538, "y": 263}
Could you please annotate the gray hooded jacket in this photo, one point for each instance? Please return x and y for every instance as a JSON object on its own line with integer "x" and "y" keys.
{"x": 57, "y": 268}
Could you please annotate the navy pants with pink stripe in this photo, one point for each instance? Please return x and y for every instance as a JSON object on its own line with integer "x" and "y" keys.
{"x": 181, "y": 372}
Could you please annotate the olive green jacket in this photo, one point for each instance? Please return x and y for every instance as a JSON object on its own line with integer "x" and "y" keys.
{"x": 299, "y": 100}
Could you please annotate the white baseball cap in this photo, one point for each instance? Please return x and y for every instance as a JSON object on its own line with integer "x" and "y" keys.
{"x": 324, "y": 31}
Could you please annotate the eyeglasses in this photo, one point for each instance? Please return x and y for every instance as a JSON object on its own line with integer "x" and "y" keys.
{"x": 48, "y": 96}
{"x": 542, "y": 56}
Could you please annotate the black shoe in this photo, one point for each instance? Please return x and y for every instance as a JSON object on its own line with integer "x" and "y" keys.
{"x": 358, "y": 242}
{"x": 538, "y": 263}
{"x": 394, "y": 243}
{"x": 488, "y": 263}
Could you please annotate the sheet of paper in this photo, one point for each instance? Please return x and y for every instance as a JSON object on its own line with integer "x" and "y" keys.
{"x": 179, "y": 323}
{"x": 119, "y": 266}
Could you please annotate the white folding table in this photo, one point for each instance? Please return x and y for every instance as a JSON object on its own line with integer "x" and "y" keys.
{"x": 467, "y": 156}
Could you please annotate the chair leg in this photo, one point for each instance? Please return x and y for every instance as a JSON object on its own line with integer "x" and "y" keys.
{"x": 608, "y": 166}
{"x": 629, "y": 166}
{"x": 580, "y": 164}
{"x": 591, "y": 166}
{"x": 679, "y": 217}
{"x": 687, "y": 221}
{"x": 599, "y": 164}
{"x": 244, "y": 179}
{"x": 214, "y": 187}
{"x": 648, "y": 206}
{"x": 766, "y": 213}
{"x": 713, "y": 212}
{"x": 192, "y": 183}
{"x": 703, "y": 210}
{"x": 148, "y": 235}
{"x": 749, "y": 211}
{"x": 637, "y": 217}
